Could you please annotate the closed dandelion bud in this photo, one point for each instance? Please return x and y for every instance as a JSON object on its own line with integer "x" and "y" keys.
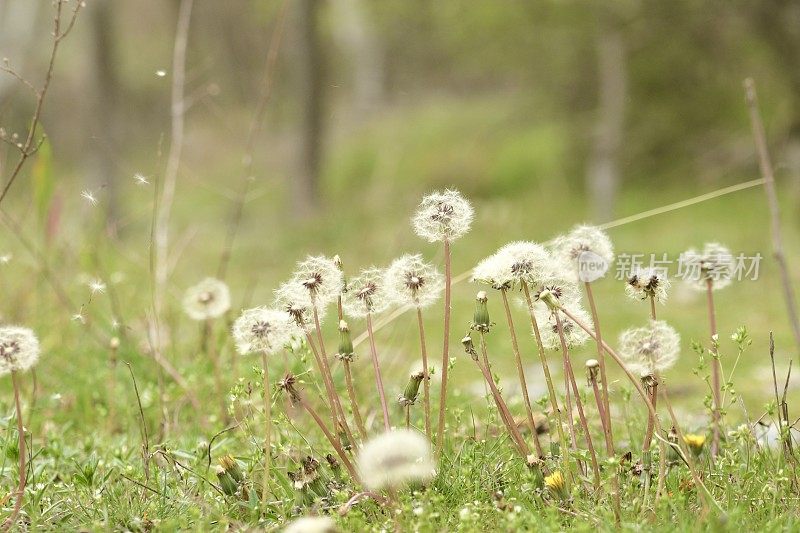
{"x": 226, "y": 482}
{"x": 333, "y": 464}
{"x": 555, "y": 483}
{"x": 549, "y": 298}
{"x": 480, "y": 319}
{"x": 409, "y": 396}
{"x": 346, "y": 352}
{"x": 592, "y": 368}
{"x": 231, "y": 467}
{"x": 469, "y": 347}
{"x": 695, "y": 443}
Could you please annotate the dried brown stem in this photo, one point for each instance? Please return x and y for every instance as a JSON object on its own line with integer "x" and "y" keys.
{"x": 445, "y": 348}
{"x": 521, "y": 372}
{"x": 606, "y": 413}
{"x": 377, "y": 369}
{"x": 353, "y": 401}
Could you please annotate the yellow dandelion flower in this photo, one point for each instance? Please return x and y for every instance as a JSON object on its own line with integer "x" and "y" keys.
{"x": 695, "y": 442}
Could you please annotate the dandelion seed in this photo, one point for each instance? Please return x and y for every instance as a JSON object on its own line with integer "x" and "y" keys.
{"x": 6, "y": 258}
{"x": 78, "y": 317}
{"x": 19, "y": 349}
{"x": 584, "y": 246}
{"x": 96, "y": 286}
{"x": 140, "y": 179}
{"x": 366, "y": 294}
{"x": 411, "y": 281}
{"x": 652, "y": 349}
{"x": 311, "y": 524}
{"x": 395, "y": 459}
{"x": 161, "y": 73}
{"x": 573, "y": 334}
{"x": 714, "y": 263}
{"x": 443, "y": 216}
{"x": 208, "y": 299}
{"x": 89, "y": 197}
{"x": 648, "y": 283}
{"x": 322, "y": 278}
{"x": 262, "y": 330}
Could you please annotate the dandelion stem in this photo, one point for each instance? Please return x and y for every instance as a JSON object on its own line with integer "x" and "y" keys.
{"x": 545, "y": 368}
{"x": 353, "y": 401}
{"x": 502, "y": 407}
{"x": 209, "y": 347}
{"x": 333, "y": 440}
{"x": 377, "y": 369}
{"x": 652, "y": 307}
{"x": 337, "y": 403}
{"x": 715, "y": 367}
{"x": 606, "y": 414}
{"x": 445, "y": 348}
{"x": 320, "y": 366}
{"x": 578, "y": 402}
{"x": 426, "y": 387}
{"x": 267, "y": 426}
{"x": 522, "y": 382}
{"x": 22, "y": 465}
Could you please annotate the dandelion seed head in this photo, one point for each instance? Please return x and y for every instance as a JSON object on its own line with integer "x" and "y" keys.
{"x": 96, "y": 286}
{"x": 494, "y": 271}
{"x": 311, "y": 524}
{"x": 651, "y": 349}
{"x": 294, "y": 299}
{"x": 644, "y": 283}
{"x": 6, "y": 258}
{"x": 443, "y": 216}
{"x": 19, "y": 349}
{"x": 367, "y": 293}
{"x": 208, "y": 299}
{"x": 321, "y": 277}
{"x": 530, "y": 262}
{"x": 261, "y": 329}
{"x": 395, "y": 459}
{"x": 715, "y": 262}
{"x": 568, "y": 249}
{"x": 412, "y": 281}
{"x": 574, "y": 335}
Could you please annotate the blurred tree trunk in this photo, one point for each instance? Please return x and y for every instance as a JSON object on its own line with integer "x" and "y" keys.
{"x": 602, "y": 173}
{"x": 104, "y": 110}
{"x": 354, "y": 31}
{"x": 308, "y": 66}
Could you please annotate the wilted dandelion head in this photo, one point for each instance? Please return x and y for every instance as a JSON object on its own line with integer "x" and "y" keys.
{"x": 412, "y": 281}
{"x": 395, "y": 459}
{"x": 569, "y": 249}
{"x": 651, "y": 349}
{"x": 208, "y": 299}
{"x": 646, "y": 283}
{"x": 293, "y": 298}
{"x": 19, "y": 349}
{"x": 529, "y": 262}
{"x": 366, "y": 294}
{"x": 562, "y": 290}
{"x": 311, "y": 524}
{"x": 574, "y": 335}
{"x": 443, "y": 216}
{"x": 715, "y": 263}
{"x": 321, "y": 277}
{"x": 262, "y": 330}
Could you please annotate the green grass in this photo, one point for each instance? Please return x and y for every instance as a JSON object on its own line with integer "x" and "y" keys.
{"x": 88, "y": 471}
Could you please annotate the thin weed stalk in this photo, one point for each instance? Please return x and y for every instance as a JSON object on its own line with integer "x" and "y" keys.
{"x": 716, "y": 413}
{"x": 448, "y": 275}
{"x": 426, "y": 387}
{"x": 267, "y": 427}
{"x": 377, "y": 370}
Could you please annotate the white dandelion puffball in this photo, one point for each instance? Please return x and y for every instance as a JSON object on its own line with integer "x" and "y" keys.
{"x": 574, "y": 335}
{"x": 644, "y": 283}
{"x": 715, "y": 262}
{"x": 412, "y": 281}
{"x": 443, "y": 216}
{"x": 366, "y": 294}
{"x": 19, "y": 349}
{"x": 586, "y": 250}
{"x": 395, "y": 459}
{"x": 651, "y": 349}
{"x": 531, "y": 263}
{"x": 494, "y": 271}
{"x": 321, "y": 277}
{"x": 293, "y": 298}
{"x": 311, "y": 524}
{"x": 565, "y": 291}
{"x": 262, "y": 330}
{"x": 208, "y": 299}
